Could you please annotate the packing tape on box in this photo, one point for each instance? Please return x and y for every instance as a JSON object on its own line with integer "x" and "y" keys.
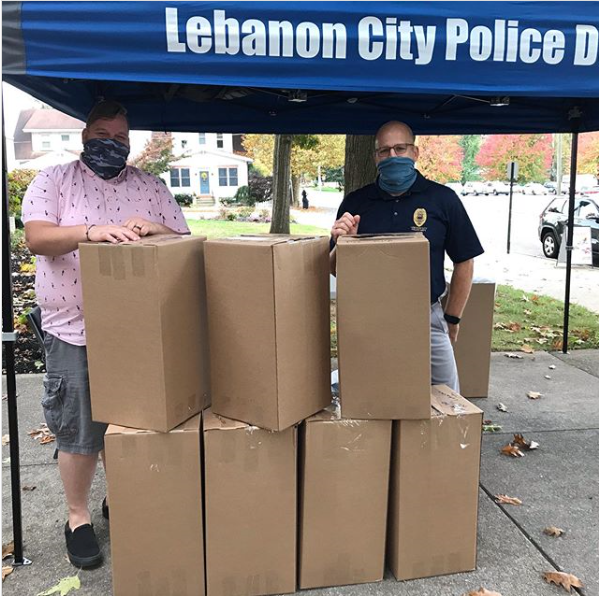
{"x": 138, "y": 263}
{"x": 112, "y": 263}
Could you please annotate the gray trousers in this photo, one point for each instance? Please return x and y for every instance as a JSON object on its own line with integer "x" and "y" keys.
{"x": 443, "y": 367}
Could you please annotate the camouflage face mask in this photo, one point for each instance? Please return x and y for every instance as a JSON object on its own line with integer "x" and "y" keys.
{"x": 106, "y": 157}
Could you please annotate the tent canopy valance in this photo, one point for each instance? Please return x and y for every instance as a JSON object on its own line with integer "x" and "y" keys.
{"x": 329, "y": 67}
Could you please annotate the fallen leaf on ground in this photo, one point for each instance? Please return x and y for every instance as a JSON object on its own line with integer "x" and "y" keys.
{"x": 26, "y": 487}
{"x": 527, "y": 312}
{"x": 501, "y": 407}
{"x": 513, "y": 327}
{"x": 534, "y": 298}
{"x": 6, "y": 461}
{"x": 548, "y": 376}
{"x": 552, "y": 367}
{"x": 499, "y": 326}
{"x": 527, "y": 349}
{"x": 505, "y": 500}
{"x": 64, "y": 586}
{"x": 534, "y": 395}
{"x": 524, "y": 298}
{"x": 6, "y": 571}
{"x": 8, "y": 549}
{"x": 482, "y": 592}
{"x": 5, "y": 439}
{"x": 518, "y": 356}
{"x": 43, "y": 434}
{"x": 553, "y": 531}
{"x": 565, "y": 580}
{"x": 512, "y": 450}
{"x": 520, "y": 441}
{"x": 491, "y": 427}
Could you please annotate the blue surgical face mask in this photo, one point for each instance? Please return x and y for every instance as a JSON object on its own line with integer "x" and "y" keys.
{"x": 396, "y": 174}
{"x": 106, "y": 157}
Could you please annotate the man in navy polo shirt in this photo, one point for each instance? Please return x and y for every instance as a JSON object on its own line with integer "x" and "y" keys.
{"x": 403, "y": 200}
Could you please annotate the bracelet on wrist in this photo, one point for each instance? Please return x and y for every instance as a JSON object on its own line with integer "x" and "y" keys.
{"x": 87, "y": 229}
{"x": 451, "y": 319}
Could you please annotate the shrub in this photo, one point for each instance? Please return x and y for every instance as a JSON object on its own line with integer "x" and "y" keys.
{"x": 185, "y": 200}
{"x": 258, "y": 190}
{"x": 18, "y": 181}
{"x": 244, "y": 213}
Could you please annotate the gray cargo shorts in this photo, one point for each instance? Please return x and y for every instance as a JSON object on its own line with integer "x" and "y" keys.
{"x": 66, "y": 401}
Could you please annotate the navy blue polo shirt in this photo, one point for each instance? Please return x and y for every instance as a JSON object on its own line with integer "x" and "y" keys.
{"x": 427, "y": 207}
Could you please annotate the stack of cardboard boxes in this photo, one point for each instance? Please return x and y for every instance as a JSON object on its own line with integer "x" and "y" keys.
{"x": 238, "y": 500}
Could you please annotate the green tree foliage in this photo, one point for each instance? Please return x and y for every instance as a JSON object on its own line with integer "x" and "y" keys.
{"x": 18, "y": 181}
{"x": 335, "y": 175}
{"x": 440, "y": 158}
{"x": 470, "y": 145}
{"x": 157, "y": 155}
{"x": 532, "y": 152}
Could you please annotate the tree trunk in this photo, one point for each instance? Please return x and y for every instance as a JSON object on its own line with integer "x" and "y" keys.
{"x": 359, "y": 162}
{"x": 280, "y": 184}
{"x": 295, "y": 185}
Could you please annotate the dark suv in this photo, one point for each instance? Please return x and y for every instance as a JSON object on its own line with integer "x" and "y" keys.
{"x": 553, "y": 221}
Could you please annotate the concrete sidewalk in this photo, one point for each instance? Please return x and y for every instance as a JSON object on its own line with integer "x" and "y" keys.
{"x": 558, "y": 484}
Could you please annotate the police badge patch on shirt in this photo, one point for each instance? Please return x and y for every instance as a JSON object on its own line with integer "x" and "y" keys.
{"x": 419, "y": 218}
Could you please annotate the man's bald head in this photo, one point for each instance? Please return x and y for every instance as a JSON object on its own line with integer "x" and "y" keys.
{"x": 395, "y": 133}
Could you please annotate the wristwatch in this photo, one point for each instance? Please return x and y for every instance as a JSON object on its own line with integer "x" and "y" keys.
{"x": 451, "y": 319}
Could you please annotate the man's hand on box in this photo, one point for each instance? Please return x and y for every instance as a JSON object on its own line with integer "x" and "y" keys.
{"x": 113, "y": 234}
{"x": 347, "y": 224}
{"x": 142, "y": 227}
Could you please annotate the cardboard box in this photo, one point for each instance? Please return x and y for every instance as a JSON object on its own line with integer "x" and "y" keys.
{"x": 145, "y": 318}
{"x": 268, "y": 304}
{"x": 433, "y": 502}
{"x": 250, "y": 501}
{"x": 383, "y": 326}
{"x": 344, "y": 474}
{"x": 473, "y": 348}
{"x": 155, "y": 497}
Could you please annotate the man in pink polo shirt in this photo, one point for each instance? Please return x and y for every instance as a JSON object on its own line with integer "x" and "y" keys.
{"x": 95, "y": 198}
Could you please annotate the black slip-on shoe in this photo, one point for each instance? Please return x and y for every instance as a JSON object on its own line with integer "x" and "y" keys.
{"x": 105, "y": 510}
{"x": 82, "y": 546}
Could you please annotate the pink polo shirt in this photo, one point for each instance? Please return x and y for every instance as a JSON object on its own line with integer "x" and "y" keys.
{"x": 70, "y": 195}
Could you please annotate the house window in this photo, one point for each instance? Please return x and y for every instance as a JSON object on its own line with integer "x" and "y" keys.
{"x": 220, "y": 142}
{"x": 227, "y": 177}
{"x": 180, "y": 177}
{"x": 183, "y": 144}
{"x": 46, "y": 142}
{"x": 65, "y": 138}
{"x": 202, "y": 138}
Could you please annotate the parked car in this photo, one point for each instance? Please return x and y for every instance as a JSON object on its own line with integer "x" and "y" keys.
{"x": 473, "y": 188}
{"x": 501, "y": 188}
{"x": 591, "y": 191}
{"x": 534, "y": 188}
{"x": 554, "y": 219}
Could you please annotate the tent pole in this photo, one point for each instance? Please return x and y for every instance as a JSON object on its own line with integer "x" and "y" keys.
{"x": 8, "y": 342}
{"x": 575, "y": 117}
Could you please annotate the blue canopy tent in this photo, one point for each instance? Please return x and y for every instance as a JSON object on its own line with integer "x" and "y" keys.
{"x": 301, "y": 67}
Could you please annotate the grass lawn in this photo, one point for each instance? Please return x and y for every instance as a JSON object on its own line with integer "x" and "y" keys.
{"x": 221, "y": 229}
{"x": 524, "y": 320}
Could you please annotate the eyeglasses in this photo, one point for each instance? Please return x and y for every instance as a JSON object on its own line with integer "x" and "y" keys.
{"x": 398, "y": 149}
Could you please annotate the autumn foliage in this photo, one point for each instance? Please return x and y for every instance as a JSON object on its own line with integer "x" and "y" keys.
{"x": 532, "y": 152}
{"x": 440, "y": 158}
